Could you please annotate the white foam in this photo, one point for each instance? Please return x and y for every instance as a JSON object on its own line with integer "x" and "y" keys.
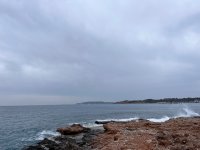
{"x": 46, "y": 133}
{"x": 91, "y": 125}
{"x": 186, "y": 112}
{"x": 119, "y": 120}
{"x": 41, "y": 135}
{"x": 163, "y": 119}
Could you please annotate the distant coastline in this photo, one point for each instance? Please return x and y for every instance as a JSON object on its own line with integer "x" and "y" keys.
{"x": 96, "y": 102}
{"x": 150, "y": 101}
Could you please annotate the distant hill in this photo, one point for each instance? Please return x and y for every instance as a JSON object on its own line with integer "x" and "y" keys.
{"x": 165, "y": 100}
{"x": 96, "y": 102}
{"x": 150, "y": 101}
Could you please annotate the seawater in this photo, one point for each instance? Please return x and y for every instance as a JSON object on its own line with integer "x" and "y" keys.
{"x": 24, "y": 125}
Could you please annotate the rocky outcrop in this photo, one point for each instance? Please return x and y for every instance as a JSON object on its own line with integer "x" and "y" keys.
{"x": 79, "y": 141}
{"x": 175, "y": 134}
{"x": 73, "y": 129}
{"x": 57, "y": 143}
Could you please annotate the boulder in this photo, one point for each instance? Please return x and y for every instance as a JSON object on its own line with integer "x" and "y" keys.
{"x": 73, "y": 129}
{"x": 103, "y": 122}
{"x": 58, "y": 143}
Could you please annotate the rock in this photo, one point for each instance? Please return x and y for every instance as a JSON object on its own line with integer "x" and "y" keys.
{"x": 67, "y": 142}
{"x": 196, "y": 116}
{"x": 104, "y": 122}
{"x": 107, "y": 127}
{"x": 174, "y": 134}
{"x": 161, "y": 135}
{"x": 72, "y": 130}
{"x": 59, "y": 143}
{"x": 116, "y": 138}
{"x": 184, "y": 141}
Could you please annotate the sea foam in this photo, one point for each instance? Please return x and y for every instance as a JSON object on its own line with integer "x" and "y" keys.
{"x": 45, "y": 134}
{"x": 91, "y": 125}
{"x": 163, "y": 119}
{"x": 184, "y": 112}
{"x": 119, "y": 120}
{"x": 41, "y": 135}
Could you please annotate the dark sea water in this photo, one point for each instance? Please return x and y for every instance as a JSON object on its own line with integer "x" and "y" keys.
{"x": 25, "y": 125}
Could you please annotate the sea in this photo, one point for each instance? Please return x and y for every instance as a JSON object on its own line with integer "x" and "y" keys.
{"x": 21, "y": 126}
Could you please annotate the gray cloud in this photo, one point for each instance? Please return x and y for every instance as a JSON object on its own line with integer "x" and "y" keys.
{"x": 54, "y": 52}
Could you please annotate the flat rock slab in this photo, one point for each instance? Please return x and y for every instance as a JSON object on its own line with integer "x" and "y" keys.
{"x": 174, "y": 134}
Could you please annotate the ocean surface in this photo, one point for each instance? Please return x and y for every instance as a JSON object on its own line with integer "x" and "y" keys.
{"x": 24, "y": 125}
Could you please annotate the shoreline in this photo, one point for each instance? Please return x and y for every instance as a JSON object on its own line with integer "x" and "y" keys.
{"x": 174, "y": 134}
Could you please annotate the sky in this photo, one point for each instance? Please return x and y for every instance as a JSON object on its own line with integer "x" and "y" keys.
{"x": 69, "y": 51}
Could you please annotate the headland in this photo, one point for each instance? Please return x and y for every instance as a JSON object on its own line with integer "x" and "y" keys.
{"x": 174, "y": 134}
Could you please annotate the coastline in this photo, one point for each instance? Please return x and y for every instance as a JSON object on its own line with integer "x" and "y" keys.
{"x": 174, "y": 134}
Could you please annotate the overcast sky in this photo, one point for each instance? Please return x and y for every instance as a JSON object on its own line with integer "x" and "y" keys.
{"x": 68, "y": 51}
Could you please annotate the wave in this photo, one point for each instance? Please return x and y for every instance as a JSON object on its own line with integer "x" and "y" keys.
{"x": 91, "y": 125}
{"x": 41, "y": 135}
{"x": 119, "y": 120}
{"x": 46, "y": 134}
{"x": 163, "y": 119}
{"x": 86, "y": 124}
{"x": 186, "y": 112}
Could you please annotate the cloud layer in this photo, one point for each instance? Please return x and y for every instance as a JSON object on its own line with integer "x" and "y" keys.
{"x": 72, "y": 50}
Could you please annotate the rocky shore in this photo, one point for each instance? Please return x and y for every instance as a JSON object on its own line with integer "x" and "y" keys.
{"x": 174, "y": 134}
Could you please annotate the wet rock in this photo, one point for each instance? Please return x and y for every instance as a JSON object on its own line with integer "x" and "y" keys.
{"x": 59, "y": 143}
{"x": 72, "y": 130}
{"x": 68, "y": 142}
{"x": 102, "y": 122}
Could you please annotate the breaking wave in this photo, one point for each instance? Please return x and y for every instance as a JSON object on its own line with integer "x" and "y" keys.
{"x": 184, "y": 112}
{"x": 165, "y": 118}
{"x": 119, "y": 120}
{"x": 45, "y": 134}
{"x": 41, "y": 135}
{"x": 91, "y": 125}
